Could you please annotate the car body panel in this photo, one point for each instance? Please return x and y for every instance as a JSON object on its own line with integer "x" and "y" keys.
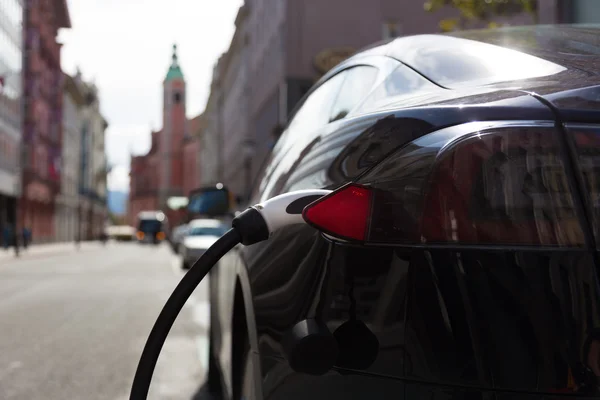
{"x": 455, "y": 322}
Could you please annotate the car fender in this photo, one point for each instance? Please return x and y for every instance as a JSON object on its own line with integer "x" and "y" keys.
{"x": 231, "y": 270}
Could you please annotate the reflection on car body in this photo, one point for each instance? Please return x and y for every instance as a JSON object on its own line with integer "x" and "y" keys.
{"x": 477, "y": 274}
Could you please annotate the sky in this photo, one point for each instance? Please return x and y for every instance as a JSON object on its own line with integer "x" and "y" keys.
{"x": 125, "y": 47}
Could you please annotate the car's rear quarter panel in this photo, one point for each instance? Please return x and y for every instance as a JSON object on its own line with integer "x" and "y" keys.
{"x": 297, "y": 273}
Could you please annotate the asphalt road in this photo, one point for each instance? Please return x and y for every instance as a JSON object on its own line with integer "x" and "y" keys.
{"x": 73, "y": 324}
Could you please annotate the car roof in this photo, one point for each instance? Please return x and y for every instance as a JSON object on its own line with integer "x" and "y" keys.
{"x": 205, "y": 223}
{"x": 565, "y": 44}
{"x": 476, "y": 58}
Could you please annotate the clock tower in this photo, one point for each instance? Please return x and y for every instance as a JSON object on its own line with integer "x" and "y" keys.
{"x": 173, "y": 133}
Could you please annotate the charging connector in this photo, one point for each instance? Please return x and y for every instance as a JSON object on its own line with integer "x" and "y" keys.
{"x": 254, "y": 225}
{"x": 258, "y": 222}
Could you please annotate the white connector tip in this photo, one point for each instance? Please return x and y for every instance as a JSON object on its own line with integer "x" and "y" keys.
{"x": 286, "y": 209}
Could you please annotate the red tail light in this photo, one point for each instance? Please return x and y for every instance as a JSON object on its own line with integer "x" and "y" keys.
{"x": 469, "y": 184}
{"x": 345, "y": 213}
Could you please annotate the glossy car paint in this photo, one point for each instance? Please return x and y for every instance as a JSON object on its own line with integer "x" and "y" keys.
{"x": 452, "y": 322}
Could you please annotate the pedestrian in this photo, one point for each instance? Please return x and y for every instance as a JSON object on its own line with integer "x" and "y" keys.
{"x": 7, "y": 236}
{"x": 26, "y": 237}
{"x": 15, "y": 240}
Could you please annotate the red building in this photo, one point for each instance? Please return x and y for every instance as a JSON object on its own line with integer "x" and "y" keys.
{"x": 170, "y": 167}
{"x": 191, "y": 149}
{"x": 42, "y": 115}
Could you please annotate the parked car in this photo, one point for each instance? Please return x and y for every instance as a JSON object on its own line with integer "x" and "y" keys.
{"x": 177, "y": 236}
{"x": 199, "y": 236}
{"x": 461, "y": 262}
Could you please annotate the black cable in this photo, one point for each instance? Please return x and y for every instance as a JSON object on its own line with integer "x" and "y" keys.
{"x": 249, "y": 227}
{"x": 164, "y": 322}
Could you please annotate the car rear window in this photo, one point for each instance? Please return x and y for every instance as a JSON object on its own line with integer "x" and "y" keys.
{"x": 150, "y": 225}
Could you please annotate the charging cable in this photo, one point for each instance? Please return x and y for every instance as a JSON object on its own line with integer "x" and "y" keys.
{"x": 254, "y": 225}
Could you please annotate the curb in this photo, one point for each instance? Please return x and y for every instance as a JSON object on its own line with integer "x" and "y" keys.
{"x": 33, "y": 253}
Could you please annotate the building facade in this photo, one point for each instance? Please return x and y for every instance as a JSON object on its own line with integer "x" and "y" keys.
{"x": 68, "y": 201}
{"x": 11, "y": 58}
{"x": 279, "y": 50}
{"x": 42, "y": 116}
{"x": 192, "y": 169}
{"x": 210, "y": 151}
{"x": 166, "y": 171}
{"x": 99, "y": 169}
{"x": 175, "y": 130}
{"x": 93, "y": 168}
{"x": 236, "y": 132}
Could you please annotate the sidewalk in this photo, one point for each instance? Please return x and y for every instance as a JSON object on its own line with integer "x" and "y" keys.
{"x": 42, "y": 250}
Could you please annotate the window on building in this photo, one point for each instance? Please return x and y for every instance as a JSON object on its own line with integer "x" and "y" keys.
{"x": 391, "y": 30}
{"x": 358, "y": 83}
{"x": 90, "y": 98}
{"x": 2, "y": 151}
{"x": 11, "y": 153}
{"x": 40, "y": 162}
{"x": 177, "y": 98}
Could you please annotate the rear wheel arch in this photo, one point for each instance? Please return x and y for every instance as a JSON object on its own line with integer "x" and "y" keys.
{"x": 244, "y": 337}
{"x": 239, "y": 339}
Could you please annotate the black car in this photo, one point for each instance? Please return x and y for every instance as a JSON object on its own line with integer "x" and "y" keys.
{"x": 467, "y": 266}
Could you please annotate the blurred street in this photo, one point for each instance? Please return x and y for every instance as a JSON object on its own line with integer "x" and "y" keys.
{"x": 73, "y": 323}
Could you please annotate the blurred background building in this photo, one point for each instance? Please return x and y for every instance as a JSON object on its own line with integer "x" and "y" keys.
{"x": 52, "y": 156}
{"x": 191, "y": 148}
{"x": 42, "y": 116}
{"x": 93, "y": 167}
{"x": 170, "y": 169}
{"x": 210, "y": 152}
{"x": 11, "y": 56}
{"x": 67, "y": 211}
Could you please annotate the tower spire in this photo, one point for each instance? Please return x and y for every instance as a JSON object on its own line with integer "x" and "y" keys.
{"x": 174, "y": 63}
{"x": 174, "y": 70}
